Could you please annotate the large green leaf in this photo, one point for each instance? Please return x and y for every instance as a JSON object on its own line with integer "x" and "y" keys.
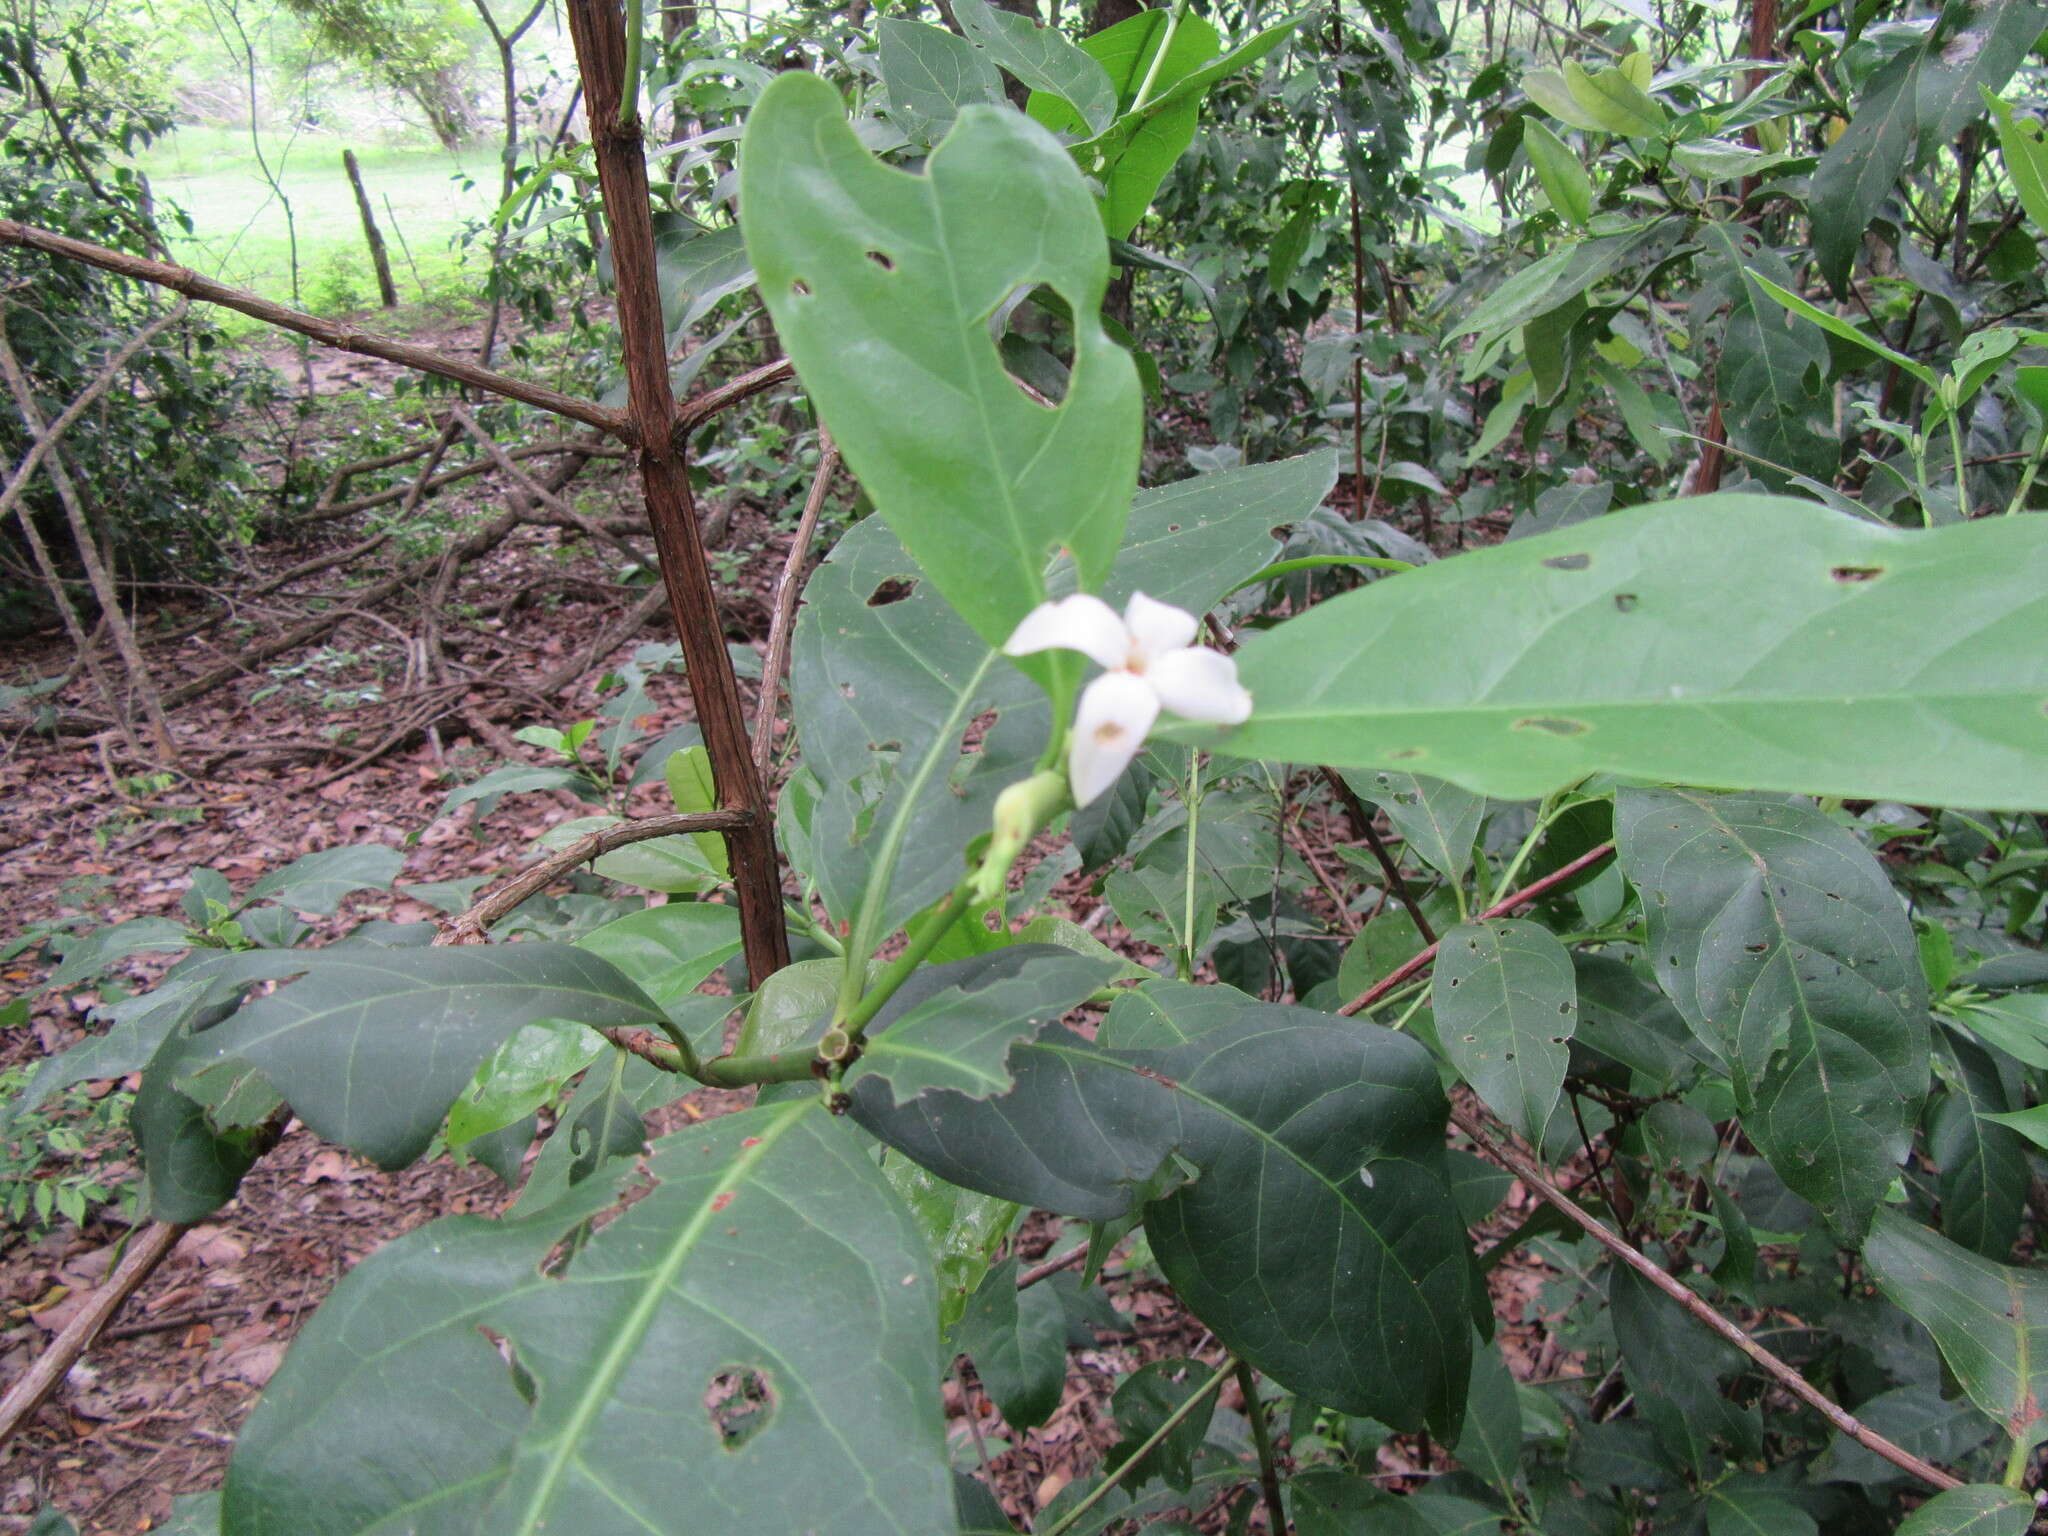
{"x": 751, "y": 1342}
{"x": 1860, "y": 168}
{"x": 929, "y": 75}
{"x": 1750, "y": 641}
{"x": 1506, "y": 1001}
{"x": 317, "y": 882}
{"x": 952, "y": 1026}
{"x": 1979, "y": 1509}
{"x": 881, "y": 284}
{"x": 1781, "y": 941}
{"x": 1733, "y": 1510}
{"x": 370, "y": 1050}
{"x": 1018, "y": 1342}
{"x": 667, "y": 951}
{"x": 1990, "y": 1320}
{"x": 1773, "y": 377}
{"x": 882, "y": 667}
{"x": 1676, "y": 1369}
{"x": 1439, "y": 820}
{"x": 1289, "y": 1168}
{"x": 1981, "y": 1165}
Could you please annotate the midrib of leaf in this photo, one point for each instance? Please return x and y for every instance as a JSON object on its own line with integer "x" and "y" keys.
{"x": 626, "y": 1340}
{"x": 1715, "y": 701}
{"x": 2025, "y": 1408}
{"x": 883, "y": 1048}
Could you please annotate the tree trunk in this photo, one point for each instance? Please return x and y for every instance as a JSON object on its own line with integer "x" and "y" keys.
{"x": 387, "y": 291}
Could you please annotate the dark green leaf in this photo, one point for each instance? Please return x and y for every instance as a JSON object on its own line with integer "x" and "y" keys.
{"x": 1857, "y": 173}
{"x": 1506, "y": 1004}
{"x": 87, "y": 955}
{"x": 1146, "y": 1399}
{"x": 1733, "y": 1510}
{"x": 1439, "y": 820}
{"x": 1018, "y": 1342}
{"x": 371, "y": 1050}
{"x": 1980, "y": 1509}
{"x": 664, "y": 1374}
{"x": 1981, "y": 1165}
{"x": 1781, "y": 941}
{"x": 317, "y": 882}
{"x": 1676, "y": 1367}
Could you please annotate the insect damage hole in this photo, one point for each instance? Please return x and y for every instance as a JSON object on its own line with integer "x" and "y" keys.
{"x": 741, "y": 1404}
{"x": 881, "y": 259}
{"x": 890, "y": 591}
{"x": 1847, "y": 574}
{"x": 800, "y": 289}
{"x": 1574, "y": 562}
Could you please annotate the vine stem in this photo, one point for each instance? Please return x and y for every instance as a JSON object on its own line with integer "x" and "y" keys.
{"x": 786, "y": 592}
{"x": 1498, "y": 1150}
{"x": 1505, "y": 905}
{"x": 1172, "y": 1422}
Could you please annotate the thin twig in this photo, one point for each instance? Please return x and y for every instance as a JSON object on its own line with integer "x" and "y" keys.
{"x": 1145, "y": 1447}
{"x": 471, "y": 927}
{"x": 1262, "y": 1441}
{"x": 42, "y": 1378}
{"x": 1361, "y": 818}
{"x": 1501, "y": 1152}
{"x": 693, "y": 413}
{"x": 345, "y": 338}
{"x": 1501, "y": 908}
{"x": 786, "y": 593}
{"x": 1051, "y": 1267}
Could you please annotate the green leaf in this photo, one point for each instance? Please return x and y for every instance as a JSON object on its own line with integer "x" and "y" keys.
{"x": 1613, "y": 101}
{"x": 1018, "y": 1342}
{"x": 2016, "y": 1024}
{"x": 668, "y": 1352}
{"x": 1439, "y": 820}
{"x": 667, "y": 951}
{"x": 2030, "y": 1123}
{"x": 1320, "y": 1207}
{"x": 1733, "y": 1510}
{"x": 1760, "y": 634}
{"x": 2026, "y": 160}
{"x": 1978, "y": 1509}
{"x": 1549, "y": 281}
{"x": 1549, "y": 89}
{"x": 694, "y": 791}
{"x": 317, "y": 882}
{"x": 1989, "y": 1321}
{"x": 1628, "y": 1020}
{"x": 1564, "y": 180}
{"x": 1972, "y": 50}
{"x": 952, "y": 1026}
{"x": 88, "y": 955}
{"x": 1858, "y": 171}
{"x": 1041, "y": 59}
{"x": 1506, "y": 1001}
{"x": 371, "y": 1050}
{"x": 521, "y": 1075}
{"x": 1772, "y": 381}
{"x": 1835, "y": 325}
{"x": 1637, "y": 413}
{"x": 1981, "y": 1164}
{"x": 1781, "y": 941}
{"x": 1145, "y": 1400}
{"x": 1491, "y": 1445}
{"x": 880, "y": 284}
{"x": 961, "y": 1227}
{"x": 1676, "y": 1368}
{"x": 606, "y": 1108}
{"x": 191, "y": 1169}
{"x": 929, "y": 74}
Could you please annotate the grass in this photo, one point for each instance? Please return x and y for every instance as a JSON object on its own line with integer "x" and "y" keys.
{"x": 240, "y": 234}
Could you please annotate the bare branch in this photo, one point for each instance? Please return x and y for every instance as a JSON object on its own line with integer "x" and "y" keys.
{"x": 786, "y": 593}
{"x": 342, "y": 337}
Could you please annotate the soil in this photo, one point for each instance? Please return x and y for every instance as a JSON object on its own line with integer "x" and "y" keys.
{"x": 151, "y": 1412}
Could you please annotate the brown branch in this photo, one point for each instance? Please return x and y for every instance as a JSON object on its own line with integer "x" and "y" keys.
{"x": 1501, "y": 908}
{"x": 786, "y": 593}
{"x": 495, "y": 452}
{"x": 344, "y": 338}
{"x": 471, "y": 927}
{"x": 597, "y": 30}
{"x": 693, "y": 413}
{"x": 1525, "y": 1169}
{"x": 1361, "y": 818}
{"x": 1051, "y": 1267}
{"x": 42, "y": 1378}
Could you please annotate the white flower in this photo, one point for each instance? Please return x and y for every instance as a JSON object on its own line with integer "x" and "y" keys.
{"x": 1152, "y": 665}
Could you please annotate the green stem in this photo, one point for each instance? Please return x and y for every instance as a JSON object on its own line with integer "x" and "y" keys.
{"x": 1073, "y": 1516}
{"x": 867, "y": 922}
{"x": 1262, "y": 1441}
{"x": 2016, "y": 1461}
{"x": 1414, "y": 1007}
{"x": 629, "y": 88}
{"x": 857, "y": 1018}
{"x": 2019, "y": 497}
{"x": 1185, "y": 961}
{"x": 1955, "y": 443}
{"x": 751, "y": 1071}
{"x": 1152, "y": 73}
{"x": 1546, "y": 813}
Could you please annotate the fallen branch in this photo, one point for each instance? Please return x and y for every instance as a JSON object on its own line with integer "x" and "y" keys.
{"x": 1501, "y": 908}
{"x": 41, "y": 1379}
{"x": 341, "y": 337}
{"x": 471, "y": 927}
{"x": 786, "y": 593}
{"x": 1525, "y": 1169}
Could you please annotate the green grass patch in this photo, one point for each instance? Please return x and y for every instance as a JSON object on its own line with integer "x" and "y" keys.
{"x": 421, "y": 193}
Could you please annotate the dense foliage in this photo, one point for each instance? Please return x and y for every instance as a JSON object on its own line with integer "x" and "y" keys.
{"x": 1720, "y": 817}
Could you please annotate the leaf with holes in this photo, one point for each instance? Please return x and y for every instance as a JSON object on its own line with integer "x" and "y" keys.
{"x": 1440, "y": 821}
{"x": 952, "y": 1026}
{"x": 1506, "y": 1002}
{"x": 929, "y": 74}
{"x": 1990, "y": 1320}
{"x": 1290, "y": 1170}
{"x": 370, "y": 1050}
{"x": 1771, "y": 644}
{"x": 495, "y": 1386}
{"x": 1041, "y": 58}
{"x": 1781, "y": 941}
{"x": 881, "y": 284}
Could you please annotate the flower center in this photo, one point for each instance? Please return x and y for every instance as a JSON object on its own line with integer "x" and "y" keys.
{"x": 1108, "y": 731}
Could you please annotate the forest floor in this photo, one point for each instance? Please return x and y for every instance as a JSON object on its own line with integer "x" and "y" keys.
{"x": 152, "y": 1411}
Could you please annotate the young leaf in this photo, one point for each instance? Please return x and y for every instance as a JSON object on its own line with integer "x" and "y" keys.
{"x": 1990, "y": 1321}
{"x": 880, "y": 284}
{"x": 1506, "y": 1001}
{"x": 1781, "y": 941}
{"x": 1760, "y": 634}
{"x": 495, "y": 1389}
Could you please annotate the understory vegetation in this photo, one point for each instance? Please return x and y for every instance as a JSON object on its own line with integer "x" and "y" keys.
{"x": 1377, "y": 675}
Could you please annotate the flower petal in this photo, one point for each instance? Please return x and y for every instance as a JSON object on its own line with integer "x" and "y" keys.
{"x": 1200, "y": 684}
{"x": 1078, "y": 623}
{"x": 1117, "y": 709}
{"x": 1156, "y": 627}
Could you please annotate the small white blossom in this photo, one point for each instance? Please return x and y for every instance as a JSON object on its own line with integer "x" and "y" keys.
{"x": 1152, "y": 664}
